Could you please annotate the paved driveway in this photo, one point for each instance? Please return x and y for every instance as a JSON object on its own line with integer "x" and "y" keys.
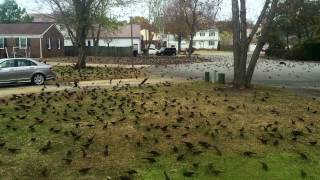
{"x": 303, "y": 77}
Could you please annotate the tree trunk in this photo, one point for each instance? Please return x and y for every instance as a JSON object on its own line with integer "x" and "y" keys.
{"x": 179, "y": 43}
{"x": 81, "y": 57}
{"x": 190, "y": 49}
{"x": 82, "y": 36}
{"x": 97, "y": 38}
{"x": 236, "y": 42}
{"x": 253, "y": 63}
{"x": 149, "y": 44}
{"x": 261, "y": 42}
{"x": 244, "y": 43}
{"x": 287, "y": 40}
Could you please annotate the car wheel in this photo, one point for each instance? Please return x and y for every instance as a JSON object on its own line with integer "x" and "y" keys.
{"x": 38, "y": 79}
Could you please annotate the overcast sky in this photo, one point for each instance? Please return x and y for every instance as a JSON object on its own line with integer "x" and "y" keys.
{"x": 253, "y": 6}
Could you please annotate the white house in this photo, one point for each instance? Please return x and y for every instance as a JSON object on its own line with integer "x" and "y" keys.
{"x": 121, "y": 37}
{"x": 204, "y": 39}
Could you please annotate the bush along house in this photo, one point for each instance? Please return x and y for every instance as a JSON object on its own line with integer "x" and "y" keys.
{"x": 30, "y": 40}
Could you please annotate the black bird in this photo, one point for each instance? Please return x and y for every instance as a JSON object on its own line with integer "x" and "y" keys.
{"x": 67, "y": 160}
{"x": 2, "y": 144}
{"x": 189, "y": 145}
{"x": 76, "y": 83}
{"x": 13, "y": 150}
{"x": 106, "y": 150}
{"x": 303, "y": 174}
{"x": 303, "y": 156}
{"x": 313, "y": 143}
{"x": 166, "y": 176}
{"x": 84, "y": 153}
{"x": 249, "y": 153}
{"x": 132, "y": 172}
{"x": 46, "y": 148}
{"x": 180, "y": 157}
{"x": 175, "y": 149}
{"x": 155, "y": 153}
{"x": 125, "y": 177}
{"x": 151, "y": 160}
{"x": 85, "y": 170}
{"x": 297, "y": 133}
{"x": 188, "y": 173}
{"x": 264, "y": 166}
{"x": 213, "y": 170}
{"x": 143, "y": 82}
{"x": 218, "y": 150}
{"x": 205, "y": 144}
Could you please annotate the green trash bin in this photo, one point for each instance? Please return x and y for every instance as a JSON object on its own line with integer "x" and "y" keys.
{"x": 221, "y": 78}
{"x": 207, "y": 76}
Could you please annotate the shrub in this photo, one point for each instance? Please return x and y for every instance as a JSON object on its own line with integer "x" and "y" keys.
{"x": 309, "y": 50}
{"x": 276, "y": 50}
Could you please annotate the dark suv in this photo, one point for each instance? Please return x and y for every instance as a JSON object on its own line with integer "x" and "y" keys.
{"x": 167, "y": 52}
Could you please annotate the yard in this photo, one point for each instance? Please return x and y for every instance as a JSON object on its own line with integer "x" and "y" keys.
{"x": 182, "y": 131}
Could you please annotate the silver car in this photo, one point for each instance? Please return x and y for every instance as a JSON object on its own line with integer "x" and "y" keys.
{"x": 24, "y": 70}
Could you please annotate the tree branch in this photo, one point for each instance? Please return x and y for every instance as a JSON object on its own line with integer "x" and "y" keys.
{"x": 259, "y": 21}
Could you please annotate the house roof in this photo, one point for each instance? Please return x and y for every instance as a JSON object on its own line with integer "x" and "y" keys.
{"x": 38, "y": 17}
{"x": 122, "y": 32}
{"x": 24, "y": 28}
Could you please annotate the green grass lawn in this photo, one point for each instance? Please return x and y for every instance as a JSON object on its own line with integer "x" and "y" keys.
{"x": 186, "y": 131}
{"x": 70, "y": 74}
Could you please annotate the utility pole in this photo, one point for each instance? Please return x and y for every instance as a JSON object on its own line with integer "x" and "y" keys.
{"x": 132, "y": 49}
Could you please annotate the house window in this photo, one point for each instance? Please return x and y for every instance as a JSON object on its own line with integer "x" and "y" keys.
{"x": 193, "y": 43}
{"x": 212, "y": 33}
{"x": 211, "y": 43}
{"x": 59, "y": 44}
{"x": 48, "y": 43}
{"x": 1, "y": 43}
{"x": 202, "y": 33}
{"x": 89, "y": 43}
{"x": 23, "y": 43}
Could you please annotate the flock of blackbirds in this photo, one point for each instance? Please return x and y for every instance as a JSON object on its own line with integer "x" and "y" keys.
{"x": 69, "y": 73}
{"x": 154, "y": 121}
{"x": 141, "y": 60}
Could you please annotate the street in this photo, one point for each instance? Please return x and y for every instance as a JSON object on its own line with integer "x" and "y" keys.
{"x": 302, "y": 77}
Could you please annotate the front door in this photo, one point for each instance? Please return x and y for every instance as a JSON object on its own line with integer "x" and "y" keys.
{"x": 201, "y": 44}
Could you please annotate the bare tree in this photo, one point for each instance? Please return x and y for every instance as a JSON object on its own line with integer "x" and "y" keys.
{"x": 195, "y": 13}
{"x": 174, "y": 22}
{"x": 75, "y": 15}
{"x": 147, "y": 25}
{"x": 81, "y": 16}
{"x": 156, "y": 23}
{"x": 102, "y": 20}
{"x": 241, "y": 41}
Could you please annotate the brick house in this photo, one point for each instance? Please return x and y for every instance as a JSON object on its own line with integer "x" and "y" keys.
{"x": 34, "y": 40}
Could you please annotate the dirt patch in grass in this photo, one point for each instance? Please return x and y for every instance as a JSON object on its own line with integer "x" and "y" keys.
{"x": 186, "y": 131}
{"x": 143, "y": 60}
{"x": 70, "y": 74}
